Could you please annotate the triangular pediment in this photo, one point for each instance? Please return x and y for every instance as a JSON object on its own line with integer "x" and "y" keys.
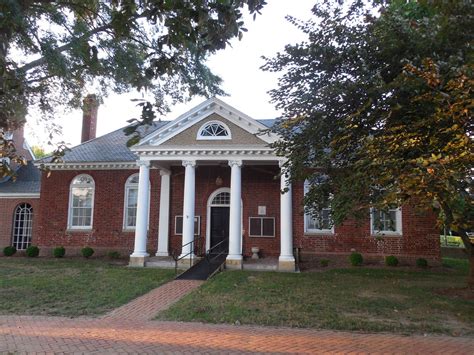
{"x": 183, "y": 131}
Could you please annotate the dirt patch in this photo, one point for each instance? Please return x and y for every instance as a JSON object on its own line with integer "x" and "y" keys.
{"x": 464, "y": 293}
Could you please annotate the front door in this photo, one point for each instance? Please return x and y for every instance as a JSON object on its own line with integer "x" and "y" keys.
{"x": 219, "y": 229}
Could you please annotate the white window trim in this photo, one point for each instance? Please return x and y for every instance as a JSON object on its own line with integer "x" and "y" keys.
{"x": 261, "y": 227}
{"x": 69, "y": 218}
{"x": 200, "y": 137}
{"x": 125, "y": 205}
{"x": 199, "y": 224}
{"x": 397, "y": 232}
{"x": 312, "y": 231}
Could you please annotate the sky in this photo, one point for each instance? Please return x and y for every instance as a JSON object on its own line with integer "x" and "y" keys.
{"x": 238, "y": 65}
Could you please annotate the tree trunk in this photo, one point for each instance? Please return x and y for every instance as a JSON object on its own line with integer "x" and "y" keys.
{"x": 470, "y": 255}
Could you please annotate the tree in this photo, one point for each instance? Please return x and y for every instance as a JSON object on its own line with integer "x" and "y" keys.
{"x": 378, "y": 110}
{"x": 51, "y": 52}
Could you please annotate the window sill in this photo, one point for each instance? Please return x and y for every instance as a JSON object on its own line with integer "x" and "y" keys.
{"x": 319, "y": 233}
{"x": 128, "y": 230}
{"x": 386, "y": 234}
{"x": 261, "y": 236}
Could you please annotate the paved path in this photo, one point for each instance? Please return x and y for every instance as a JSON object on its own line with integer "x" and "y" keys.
{"x": 161, "y": 298}
{"x": 128, "y": 329}
{"x": 48, "y": 335}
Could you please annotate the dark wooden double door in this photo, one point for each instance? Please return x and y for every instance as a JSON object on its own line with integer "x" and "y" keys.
{"x": 219, "y": 230}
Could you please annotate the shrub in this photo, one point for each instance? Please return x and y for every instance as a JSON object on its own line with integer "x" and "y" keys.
{"x": 324, "y": 262}
{"x": 9, "y": 251}
{"x": 32, "y": 251}
{"x": 356, "y": 259}
{"x": 59, "y": 252}
{"x": 391, "y": 260}
{"x": 87, "y": 252}
{"x": 423, "y": 263}
{"x": 113, "y": 255}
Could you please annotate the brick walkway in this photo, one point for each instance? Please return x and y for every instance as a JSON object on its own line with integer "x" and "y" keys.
{"x": 148, "y": 305}
{"x": 52, "y": 335}
{"x": 128, "y": 329}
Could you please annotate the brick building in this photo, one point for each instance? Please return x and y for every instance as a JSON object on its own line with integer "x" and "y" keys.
{"x": 206, "y": 180}
{"x": 19, "y": 197}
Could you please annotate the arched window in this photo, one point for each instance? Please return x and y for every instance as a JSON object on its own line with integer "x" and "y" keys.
{"x": 222, "y": 198}
{"x": 214, "y": 130}
{"x": 81, "y": 202}
{"x": 22, "y": 226}
{"x": 131, "y": 202}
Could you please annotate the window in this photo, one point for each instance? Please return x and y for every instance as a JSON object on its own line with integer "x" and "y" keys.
{"x": 81, "y": 202}
{"x": 131, "y": 201}
{"x": 213, "y": 130}
{"x": 321, "y": 222}
{"x": 222, "y": 198}
{"x": 262, "y": 226}
{"x": 22, "y": 226}
{"x": 386, "y": 221}
{"x": 178, "y": 225}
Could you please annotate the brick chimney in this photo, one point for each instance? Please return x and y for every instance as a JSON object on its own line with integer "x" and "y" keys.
{"x": 89, "y": 117}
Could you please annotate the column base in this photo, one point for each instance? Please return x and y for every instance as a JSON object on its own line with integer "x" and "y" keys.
{"x": 234, "y": 262}
{"x": 137, "y": 261}
{"x": 162, "y": 253}
{"x": 286, "y": 264}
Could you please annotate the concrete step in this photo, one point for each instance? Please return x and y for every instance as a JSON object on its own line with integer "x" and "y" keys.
{"x": 164, "y": 262}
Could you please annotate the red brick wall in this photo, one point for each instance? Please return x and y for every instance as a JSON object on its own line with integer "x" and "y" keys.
{"x": 420, "y": 235}
{"x": 7, "y": 209}
{"x": 107, "y": 233}
{"x": 259, "y": 188}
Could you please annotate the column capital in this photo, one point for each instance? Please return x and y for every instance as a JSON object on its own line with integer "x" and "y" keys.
{"x": 189, "y": 163}
{"x": 235, "y": 163}
{"x": 282, "y": 162}
{"x": 143, "y": 163}
{"x": 165, "y": 172}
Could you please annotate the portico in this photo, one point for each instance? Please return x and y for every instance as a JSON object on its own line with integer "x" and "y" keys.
{"x": 236, "y": 220}
{"x": 211, "y": 136}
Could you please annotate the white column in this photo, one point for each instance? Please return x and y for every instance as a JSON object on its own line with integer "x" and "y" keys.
{"x": 164, "y": 219}
{"x": 286, "y": 260}
{"x": 234, "y": 259}
{"x": 188, "y": 207}
{"x": 142, "y": 210}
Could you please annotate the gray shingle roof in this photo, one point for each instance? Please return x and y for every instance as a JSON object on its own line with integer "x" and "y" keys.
{"x": 28, "y": 180}
{"x": 111, "y": 147}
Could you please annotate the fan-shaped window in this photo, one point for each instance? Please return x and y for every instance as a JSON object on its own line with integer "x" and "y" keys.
{"x": 221, "y": 199}
{"x": 22, "y": 226}
{"x": 81, "y": 202}
{"x": 214, "y": 130}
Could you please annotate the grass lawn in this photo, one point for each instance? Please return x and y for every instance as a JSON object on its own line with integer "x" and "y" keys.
{"x": 71, "y": 287}
{"x": 366, "y": 299}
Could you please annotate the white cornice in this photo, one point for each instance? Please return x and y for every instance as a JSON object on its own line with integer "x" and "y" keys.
{"x": 164, "y": 154}
{"x": 12, "y": 195}
{"x": 90, "y": 166}
{"x": 198, "y": 113}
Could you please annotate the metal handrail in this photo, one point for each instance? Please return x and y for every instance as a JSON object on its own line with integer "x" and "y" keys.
{"x": 208, "y": 252}
{"x": 210, "y": 259}
{"x": 177, "y": 257}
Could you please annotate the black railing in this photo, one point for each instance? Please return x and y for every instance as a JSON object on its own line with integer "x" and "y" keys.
{"x": 211, "y": 256}
{"x": 179, "y": 254}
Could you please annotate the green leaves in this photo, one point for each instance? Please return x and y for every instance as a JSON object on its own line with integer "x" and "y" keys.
{"x": 383, "y": 107}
